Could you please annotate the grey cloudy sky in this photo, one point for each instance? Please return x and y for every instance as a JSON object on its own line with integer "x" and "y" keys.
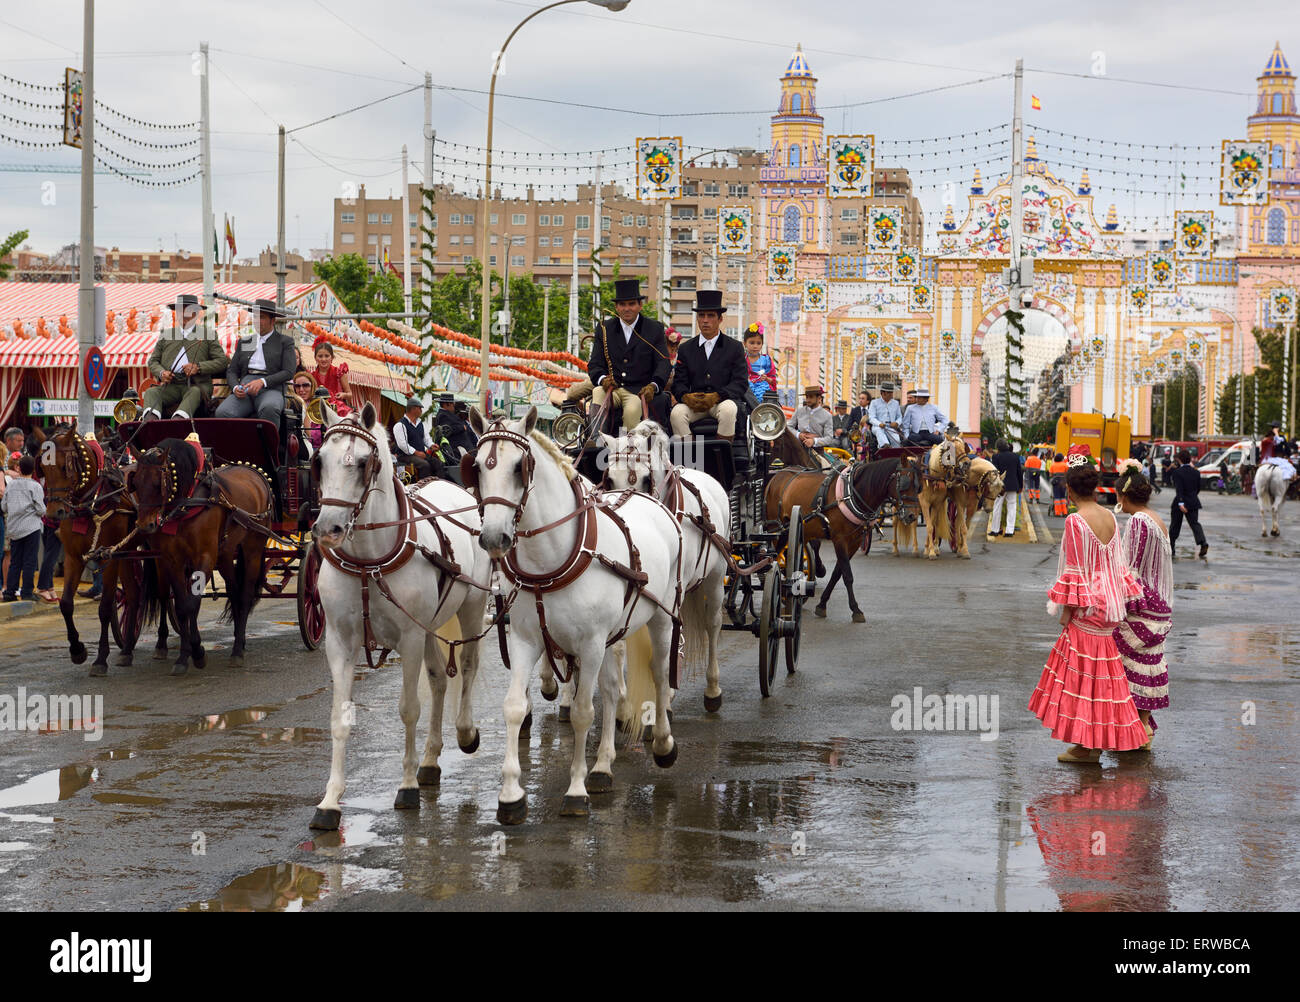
{"x": 296, "y": 61}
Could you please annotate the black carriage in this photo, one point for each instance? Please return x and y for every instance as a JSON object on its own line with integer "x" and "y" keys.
{"x": 292, "y": 563}
{"x": 772, "y": 567}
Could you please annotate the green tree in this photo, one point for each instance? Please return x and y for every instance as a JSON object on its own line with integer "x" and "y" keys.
{"x": 361, "y": 289}
{"x": 1264, "y": 385}
{"x": 1182, "y": 391}
{"x": 8, "y": 247}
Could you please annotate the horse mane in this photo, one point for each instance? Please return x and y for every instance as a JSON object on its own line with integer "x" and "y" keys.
{"x": 981, "y": 466}
{"x": 553, "y": 451}
{"x": 656, "y": 440}
{"x": 872, "y": 479}
{"x": 181, "y": 455}
{"x": 787, "y": 448}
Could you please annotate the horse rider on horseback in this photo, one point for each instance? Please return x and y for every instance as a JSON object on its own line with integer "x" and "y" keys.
{"x": 922, "y": 421}
{"x": 886, "y": 417}
{"x": 813, "y": 423}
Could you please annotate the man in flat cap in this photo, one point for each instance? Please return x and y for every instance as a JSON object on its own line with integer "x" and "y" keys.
{"x": 710, "y": 377}
{"x": 812, "y": 422}
{"x": 182, "y": 364}
{"x": 412, "y": 441}
{"x": 629, "y": 358}
{"x": 886, "y": 417}
{"x": 264, "y": 362}
{"x": 923, "y": 422}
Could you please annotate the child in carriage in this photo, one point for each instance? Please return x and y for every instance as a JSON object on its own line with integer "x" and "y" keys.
{"x": 762, "y": 369}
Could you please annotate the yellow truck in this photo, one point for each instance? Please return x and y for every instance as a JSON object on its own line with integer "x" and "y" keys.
{"x": 1108, "y": 440}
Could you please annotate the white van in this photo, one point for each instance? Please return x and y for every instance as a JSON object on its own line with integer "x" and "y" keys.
{"x": 1247, "y": 450}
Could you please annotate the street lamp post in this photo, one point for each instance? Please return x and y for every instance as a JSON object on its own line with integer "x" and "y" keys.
{"x": 485, "y": 291}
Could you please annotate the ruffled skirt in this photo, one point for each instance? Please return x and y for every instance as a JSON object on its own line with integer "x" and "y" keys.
{"x": 1083, "y": 694}
{"x": 1140, "y": 640}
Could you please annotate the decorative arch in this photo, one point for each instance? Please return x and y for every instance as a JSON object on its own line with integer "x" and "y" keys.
{"x": 1044, "y": 303}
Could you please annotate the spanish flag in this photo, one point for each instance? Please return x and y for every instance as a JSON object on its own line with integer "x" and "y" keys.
{"x": 230, "y": 236}
{"x": 1034, "y": 103}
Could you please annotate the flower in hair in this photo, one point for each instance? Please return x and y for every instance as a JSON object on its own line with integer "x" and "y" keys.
{"x": 1078, "y": 459}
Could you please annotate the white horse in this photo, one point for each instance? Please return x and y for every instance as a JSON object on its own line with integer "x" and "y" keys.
{"x": 537, "y": 513}
{"x": 640, "y": 461}
{"x": 1270, "y": 491}
{"x": 354, "y": 474}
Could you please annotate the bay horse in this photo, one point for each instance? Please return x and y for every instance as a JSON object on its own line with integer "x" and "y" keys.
{"x": 197, "y": 521}
{"x": 640, "y": 461}
{"x": 85, "y": 492}
{"x": 588, "y": 569}
{"x": 395, "y": 569}
{"x": 841, "y": 505}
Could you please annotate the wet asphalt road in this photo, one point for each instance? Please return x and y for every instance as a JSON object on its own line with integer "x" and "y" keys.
{"x": 809, "y": 799}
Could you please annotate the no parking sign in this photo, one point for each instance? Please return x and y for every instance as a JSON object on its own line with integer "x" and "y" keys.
{"x": 93, "y": 372}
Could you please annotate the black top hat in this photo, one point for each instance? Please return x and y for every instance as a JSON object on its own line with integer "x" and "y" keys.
{"x": 708, "y": 299}
{"x": 627, "y": 288}
{"x": 268, "y": 307}
{"x": 183, "y": 301}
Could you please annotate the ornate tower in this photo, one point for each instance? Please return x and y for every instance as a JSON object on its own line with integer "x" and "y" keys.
{"x": 795, "y": 175}
{"x": 1273, "y": 230}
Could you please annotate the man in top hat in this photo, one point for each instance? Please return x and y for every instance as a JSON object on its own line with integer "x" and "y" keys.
{"x": 886, "y": 417}
{"x": 812, "y": 422}
{"x": 923, "y": 422}
{"x": 454, "y": 428}
{"x": 264, "y": 362}
{"x": 710, "y": 377}
{"x": 629, "y": 358}
{"x": 183, "y": 364}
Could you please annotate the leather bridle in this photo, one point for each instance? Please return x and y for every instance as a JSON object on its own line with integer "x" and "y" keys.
{"x": 496, "y": 433}
{"x": 370, "y": 475}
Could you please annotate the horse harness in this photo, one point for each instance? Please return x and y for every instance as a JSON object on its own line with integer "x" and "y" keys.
{"x": 588, "y": 503}
{"x": 86, "y": 497}
{"x": 405, "y": 546}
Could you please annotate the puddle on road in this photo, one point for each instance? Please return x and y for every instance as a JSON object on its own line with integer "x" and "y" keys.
{"x": 281, "y": 887}
{"x": 49, "y": 787}
{"x": 130, "y": 799}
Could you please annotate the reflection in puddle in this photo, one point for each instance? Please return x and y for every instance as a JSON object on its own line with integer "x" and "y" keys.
{"x": 163, "y": 736}
{"x": 49, "y": 787}
{"x": 280, "y": 887}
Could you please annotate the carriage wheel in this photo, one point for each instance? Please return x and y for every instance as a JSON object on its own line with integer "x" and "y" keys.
{"x": 769, "y": 634}
{"x": 311, "y": 614}
{"x": 798, "y": 559}
{"x": 125, "y": 622}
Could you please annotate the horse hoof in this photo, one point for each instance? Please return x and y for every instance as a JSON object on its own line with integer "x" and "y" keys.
{"x": 512, "y": 814}
{"x": 932, "y": 556}
{"x": 1275, "y": 532}
{"x": 564, "y": 715}
{"x": 326, "y": 820}
{"x": 820, "y": 611}
{"x": 429, "y": 775}
{"x": 575, "y": 807}
{"x": 180, "y": 668}
{"x": 526, "y": 727}
{"x": 160, "y": 653}
{"x": 78, "y": 653}
{"x": 858, "y": 617}
{"x": 124, "y": 659}
{"x": 408, "y": 799}
{"x": 201, "y": 659}
{"x": 712, "y": 704}
{"x": 98, "y": 670}
{"x": 236, "y": 661}
{"x": 599, "y": 782}
{"x": 550, "y": 696}
{"x": 472, "y": 747}
{"x": 666, "y": 761}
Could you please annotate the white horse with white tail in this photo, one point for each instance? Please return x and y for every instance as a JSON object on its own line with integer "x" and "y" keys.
{"x": 396, "y": 567}
{"x": 587, "y": 571}
{"x": 1270, "y": 491}
{"x": 641, "y": 461}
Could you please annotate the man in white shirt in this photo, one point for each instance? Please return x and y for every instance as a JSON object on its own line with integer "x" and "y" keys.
{"x": 629, "y": 358}
{"x": 182, "y": 365}
{"x": 710, "y": 377}
{"x": 412, "y": 441}
{"x": 886, "y": 417}
{"x": 263, "y": 364}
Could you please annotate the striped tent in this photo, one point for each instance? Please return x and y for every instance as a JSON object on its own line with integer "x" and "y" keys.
{"x": 145, "y": 306}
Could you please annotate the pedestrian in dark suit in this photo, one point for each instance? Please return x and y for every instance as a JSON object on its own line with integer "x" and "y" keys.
{"x": 264, "y": 362}
{"x": 1187, "y": 502}
{"x": 710, "y": 377}
{"x": 629, "y": 358}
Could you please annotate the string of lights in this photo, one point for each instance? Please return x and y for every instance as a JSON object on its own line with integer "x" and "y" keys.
{"x": 102, "y": 148}
{"x": 145, "y": 182}
{"x": 1123, "y": 142}
{"x": 42, "y": 105}
{"x": 141, "y": 142}
{"x": 29, "y": 144}
{"x": 144, "y": 124}
{"x": 1089, "y": 154}
{"x": 30, "y": 125}
{"x": 31, "y": 86}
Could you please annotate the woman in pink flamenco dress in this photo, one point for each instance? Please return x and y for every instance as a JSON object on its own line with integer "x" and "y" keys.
{"x": 1083, "y": 694}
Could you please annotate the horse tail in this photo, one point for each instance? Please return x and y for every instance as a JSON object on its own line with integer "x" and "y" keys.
{"x": 151, "y": 598}
{"x": 641, "y": 689}
{"x": 235, "y": 588}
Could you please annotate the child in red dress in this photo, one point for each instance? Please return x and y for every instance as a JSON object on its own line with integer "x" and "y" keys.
{"x": 1083, "y": 694}
{"x": 332, "y": 377}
